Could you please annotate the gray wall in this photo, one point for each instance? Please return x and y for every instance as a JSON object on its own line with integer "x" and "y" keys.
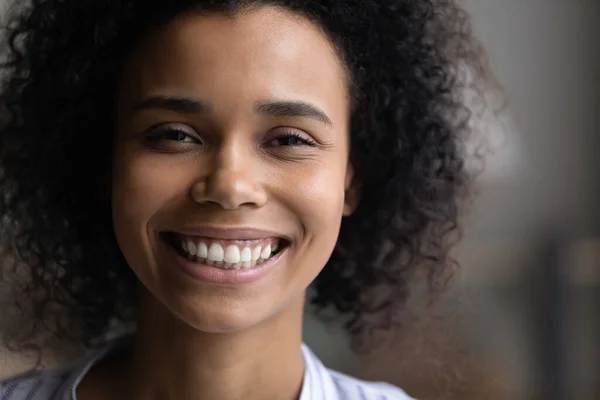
{"x": 546, "y": 54}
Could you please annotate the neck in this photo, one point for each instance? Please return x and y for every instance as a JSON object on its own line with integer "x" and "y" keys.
{"x": 171, "y": 360}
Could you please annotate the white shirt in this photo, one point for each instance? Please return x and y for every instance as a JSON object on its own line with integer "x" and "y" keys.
{"x": 320, "y": 383}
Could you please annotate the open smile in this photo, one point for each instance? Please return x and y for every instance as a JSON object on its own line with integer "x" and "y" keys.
{"x": 227, "y": 254}
{"x": 225, "y": 261}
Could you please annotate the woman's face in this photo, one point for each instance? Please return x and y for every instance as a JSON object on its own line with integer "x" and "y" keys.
{"x": 231, "y": 164}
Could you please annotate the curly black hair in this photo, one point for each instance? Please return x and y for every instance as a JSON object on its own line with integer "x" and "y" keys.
{"x": 409, "y": 62}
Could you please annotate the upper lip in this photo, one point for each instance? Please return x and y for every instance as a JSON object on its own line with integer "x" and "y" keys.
{"x": 230, "y": 233}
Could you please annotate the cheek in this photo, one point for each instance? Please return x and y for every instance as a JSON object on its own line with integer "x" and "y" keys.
{"x": 318, "y": 205}
{"x": 141, "y": 188}
{"x": 319, "y": 200}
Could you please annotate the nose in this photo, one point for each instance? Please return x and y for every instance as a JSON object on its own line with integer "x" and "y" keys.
{"x": 231, "y": 182}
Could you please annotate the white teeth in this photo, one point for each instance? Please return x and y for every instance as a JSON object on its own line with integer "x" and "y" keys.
{"x": 216, "y": 252}
{"x": 191, "y": 248}
{"x": 230, "y": 257}
{"x": 232, "y": 254}
{"x": 266, "y": 253}
{"x": 202, "y": 251}
{"x": 256, "y": 253}
{"x": 246, "y": 255}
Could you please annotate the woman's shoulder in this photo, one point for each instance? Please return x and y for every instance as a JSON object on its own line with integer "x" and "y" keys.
{"x": 353, "y": 388}
{"x": 58, "y": 383}
{"x": 324, "y": 383}
{"x": 50, "y": 384}
{"x": 38, "y": 385}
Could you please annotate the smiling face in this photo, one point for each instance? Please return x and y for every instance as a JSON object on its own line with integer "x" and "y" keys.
{"x": 231, "y": 164}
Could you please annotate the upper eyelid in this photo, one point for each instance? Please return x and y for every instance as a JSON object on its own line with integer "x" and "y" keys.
{"x": 165, "y": 127}
{"x": 172, "y": 126}
{"x": 301, "y": 137}
{"x": 294, "y": 131}
{"x": 192, "y": 131}
{"x": 306, "y": 139}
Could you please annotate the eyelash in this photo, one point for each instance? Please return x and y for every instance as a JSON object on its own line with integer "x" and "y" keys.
{"x": 295, "y": 135}
{"x": 155, "y": 136}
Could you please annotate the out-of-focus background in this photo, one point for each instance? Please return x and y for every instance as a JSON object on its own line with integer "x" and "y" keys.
{"x": 522, "y": 318}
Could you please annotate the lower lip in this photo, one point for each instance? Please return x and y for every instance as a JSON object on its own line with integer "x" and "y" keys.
{"x": 221, "y": 276}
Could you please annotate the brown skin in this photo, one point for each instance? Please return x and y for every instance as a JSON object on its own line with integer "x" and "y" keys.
{"x": 198, "y": 340}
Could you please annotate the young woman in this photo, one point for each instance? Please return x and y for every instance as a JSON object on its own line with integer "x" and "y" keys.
{"x": 191, "y": 167}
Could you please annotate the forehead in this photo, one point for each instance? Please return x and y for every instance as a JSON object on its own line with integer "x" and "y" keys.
{"x": 255, "y": 55}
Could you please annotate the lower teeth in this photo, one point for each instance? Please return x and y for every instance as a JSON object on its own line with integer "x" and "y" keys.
{"x": 240, "y": 265}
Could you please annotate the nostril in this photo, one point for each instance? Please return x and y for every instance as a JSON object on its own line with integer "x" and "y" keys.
{"x": 230, "y": 189}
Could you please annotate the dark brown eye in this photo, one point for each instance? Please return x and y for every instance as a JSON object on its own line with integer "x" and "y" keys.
{"x": 290, "y": 139}
{"x": 178, "y": 136}
{"x": 171, "y": 133}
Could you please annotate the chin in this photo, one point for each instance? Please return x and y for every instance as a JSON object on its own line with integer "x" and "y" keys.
{"x": 220, "y": 314}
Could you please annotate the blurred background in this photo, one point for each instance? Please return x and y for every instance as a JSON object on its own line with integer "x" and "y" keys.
{"x": 522, "y": 318}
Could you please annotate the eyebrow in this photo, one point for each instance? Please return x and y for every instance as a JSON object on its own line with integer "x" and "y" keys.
{"x": 292, "y": 109}
{"x": 182, "y": 105}
{"x": 283, "y": 108}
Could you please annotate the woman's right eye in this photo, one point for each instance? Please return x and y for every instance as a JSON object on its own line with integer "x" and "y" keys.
{"x": 172, "y": 134}
{"x": 177, "y": 135}
{"x": 171, "y": 137}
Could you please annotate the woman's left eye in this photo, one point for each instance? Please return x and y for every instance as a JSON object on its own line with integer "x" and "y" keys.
{"x": 290, "y": 139}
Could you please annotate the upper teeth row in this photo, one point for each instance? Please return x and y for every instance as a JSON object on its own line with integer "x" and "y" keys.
{"x": 231, "y": 254}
